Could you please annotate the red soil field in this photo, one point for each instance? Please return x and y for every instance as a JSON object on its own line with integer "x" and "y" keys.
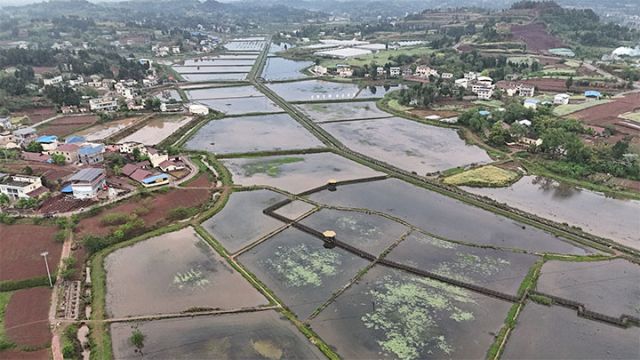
{"x": 20, "y": 248}
{"x": 26, "y": 319}
{"x": 158, "y": 208}
{"x": 607, "y": 114}
{"x": 201, "y": 180}
{"x": 42, "y": 354}
{"x": 49, "y": 171}
{"x": 37, "y": 115}
{"x": 67, "y": 125}
{"x": 536, "y": 37}
{"x": 559, "y": 85}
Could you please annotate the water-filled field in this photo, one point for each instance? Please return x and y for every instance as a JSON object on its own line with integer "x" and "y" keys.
{"x": 301, "y": 272}
{"x": 237, "y": 106}
{"x": 241, "y": 221}
{"x": 392, "y": 314}
{"x": 226, "y": 92}
{"x": 103, "y": 131}
{"x": 252, "y": 134}
{"x": 212, "y": 69}
{"x": 594, "y": 212}
{"x": 554, "y": 332}
{"x": 295, "y": 209}
{"x": 172, "y": 273}
{"x": 497, "y": 270}
{"x": 370, "y": 233}
{"x": 259, "y": 335}
{"x": 214, "y": 77}
{"x": 218, "y": 62}
{"x": 407, "y": 144}
{"x": 277, "y": 68}
{"x": 321, "y": 112}
{"x": 317, "y": 90}
{"x": 607, "y": 287}
{"x": 157, "y": 130}
{"x": 445, "y": 217}
{"x": 295, "y": 173}
{"x": 241, "y": 45}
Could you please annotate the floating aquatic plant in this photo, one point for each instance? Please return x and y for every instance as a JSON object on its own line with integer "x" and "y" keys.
{"x": 301, "y": 266}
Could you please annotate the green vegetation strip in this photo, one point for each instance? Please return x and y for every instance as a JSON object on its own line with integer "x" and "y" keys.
{"x": 485, "y": 176}
{"x": 563, "y": 110}
{"x": 10, "y": 285}
{"x": 5, "y": 343}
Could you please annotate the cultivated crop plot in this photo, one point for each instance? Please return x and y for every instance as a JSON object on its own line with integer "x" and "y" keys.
{"x": 296, "y": 173}
{"x": 236, "y": 106}
{"x": 67, "y": 125}
{"x": 606, "y": 287}
{"x": 239, "y": 135}
{"x": 407, "y": 144}
{"x": 300, "y": 270}
{"x": 277, "y": 68}
{"x": 172, "y": 273}
{"x": 501, "y": 271}
{"x": 567, "y": 335}
{"x": 371, "y": 233}
{"x": 103, "y": 131}
{"x": 592, "y": 211}
{"x": 343, "y": 111}
{"x": 395, "y": 314}
{"x": 242, "y": 222}
{"x": 20, "y": 248}
{"x": 444, "y": 217}
{"x": 259, "y": 335}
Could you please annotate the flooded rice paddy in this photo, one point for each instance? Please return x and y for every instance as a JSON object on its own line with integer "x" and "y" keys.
{"x": 212, "y": 69}
{"x": 258, "y": 335}
{"x": 225, "y": 92}
{"x": 214, "y": 77}
{"x": 300, "y": 270}
{"x": 407, "y": 144}
{"x": 158, "y": 129}
{"x": 595, "y": 213}
{"x": 215, "y": 62}
{"x": 295, "y": 209}
{"x": 172, "y": 273}
{"x": 295, "y": 173}
{"x": 556, "y": 332}
{"x": 277, "y": 68}
{"x": 497, "y": 270}
{"x": 392, "y": 314}
{"x": 103, "y": 131}
{"x": 318, "y": 90}
{"x": 607, "y": 287}
{"x": 245, "y": 45}
{"x": 445, "y": 217}
{"x": 322, "y": 112}
{"x": 252, "y": 134}
{"x": 370, "y": 233}
{"x": 241, "y": 222}
{"x": 237, "y": 106}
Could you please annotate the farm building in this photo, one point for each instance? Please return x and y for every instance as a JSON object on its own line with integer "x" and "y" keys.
{"x": 592, "y": 95}
{"x": 531, "y": 103}
{"x": 48, "y": 142}
{"x": 561, "y": 99}
{"x": 197, "y": 109}
{"x": 86, "y": 183}
{"x": 21, "y": 186}
{"x": 91, "y": 153}
{"x": 69, "y": 151}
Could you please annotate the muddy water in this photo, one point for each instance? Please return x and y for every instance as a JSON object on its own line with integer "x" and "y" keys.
{"x": 312, "y": 170}
{"x": 392, "y": 314}
{"x": 172, "y": 273}
{"x": 260, "y": 335}
{"x": 595, "y": 213}
{"x": 407, "y": 144}
{"x": 277, "y": 68}
{"x": 214, "y": 77}
{"x": 102, "y": 131}
{"x": 343, "y": 111}
{"x": 241, "y": 221}
{"x": 554, "y": 332}
{"x": 370, "y": 233}
{"x": 316, "y": 90}
{"x": 252, "y": 134}
{"x": 211, "y": 69}
{"x": 295, "y": 209}
{"x": 157, "y": 130}
{"x": 301, "y": 272}
{"x": 608, "y": 287}
{"x": 236, "y": 106}
{"x": 494, "y": 269}
{"x": 444, "y": 216}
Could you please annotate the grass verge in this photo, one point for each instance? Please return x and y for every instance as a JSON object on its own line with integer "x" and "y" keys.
{"x": 485, "y": 176}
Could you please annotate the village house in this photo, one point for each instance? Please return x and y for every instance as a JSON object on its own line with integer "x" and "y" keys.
{"x": 425, "y": 71}
{"x": 512, "y": 89}
{"x": 471, "y": 76}
{"x": 561, "y": 99}
{"x": 395, "y": 71}
{"x": 86, "y": 183}
{"x": 48, "y": 142}
{"x": 156, "y": 157}
{"x": 173, "y": 164}
{"x": 344, "y": 70}
{"x": 130, "y": 146}
{"x": 319, "y": 70}
{"x": 463, "y": 83}
{"x": 592, "y": 95}
{"x": 380, "y": 71}
{"x": 53, "y": 81}
{"x": 21, "y": 186}
{"x": 91, "y": 153}
{"x": 171, "y": 107}
{"x": 103, "y": 104}
{"x": 446, "y": 76}
{"x": 483, "y": 92}
{"x": 197, "y": 109}
{"x": 69, "y": 151}
{"x": 531, "y": 103}
{"x": 8, "y": 141}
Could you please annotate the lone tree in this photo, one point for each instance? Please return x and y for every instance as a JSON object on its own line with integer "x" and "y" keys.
{"x": 137, "y": 339}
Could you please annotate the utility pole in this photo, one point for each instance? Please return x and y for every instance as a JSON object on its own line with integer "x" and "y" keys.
{"x": 46, "y": 264}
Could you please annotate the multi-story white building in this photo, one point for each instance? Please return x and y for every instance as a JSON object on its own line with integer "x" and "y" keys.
{"x": 19, "y": 186}
{"x": 395, "y": 71}
{"x": 103, "y": 104}
{"x": 86, "y": 183}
